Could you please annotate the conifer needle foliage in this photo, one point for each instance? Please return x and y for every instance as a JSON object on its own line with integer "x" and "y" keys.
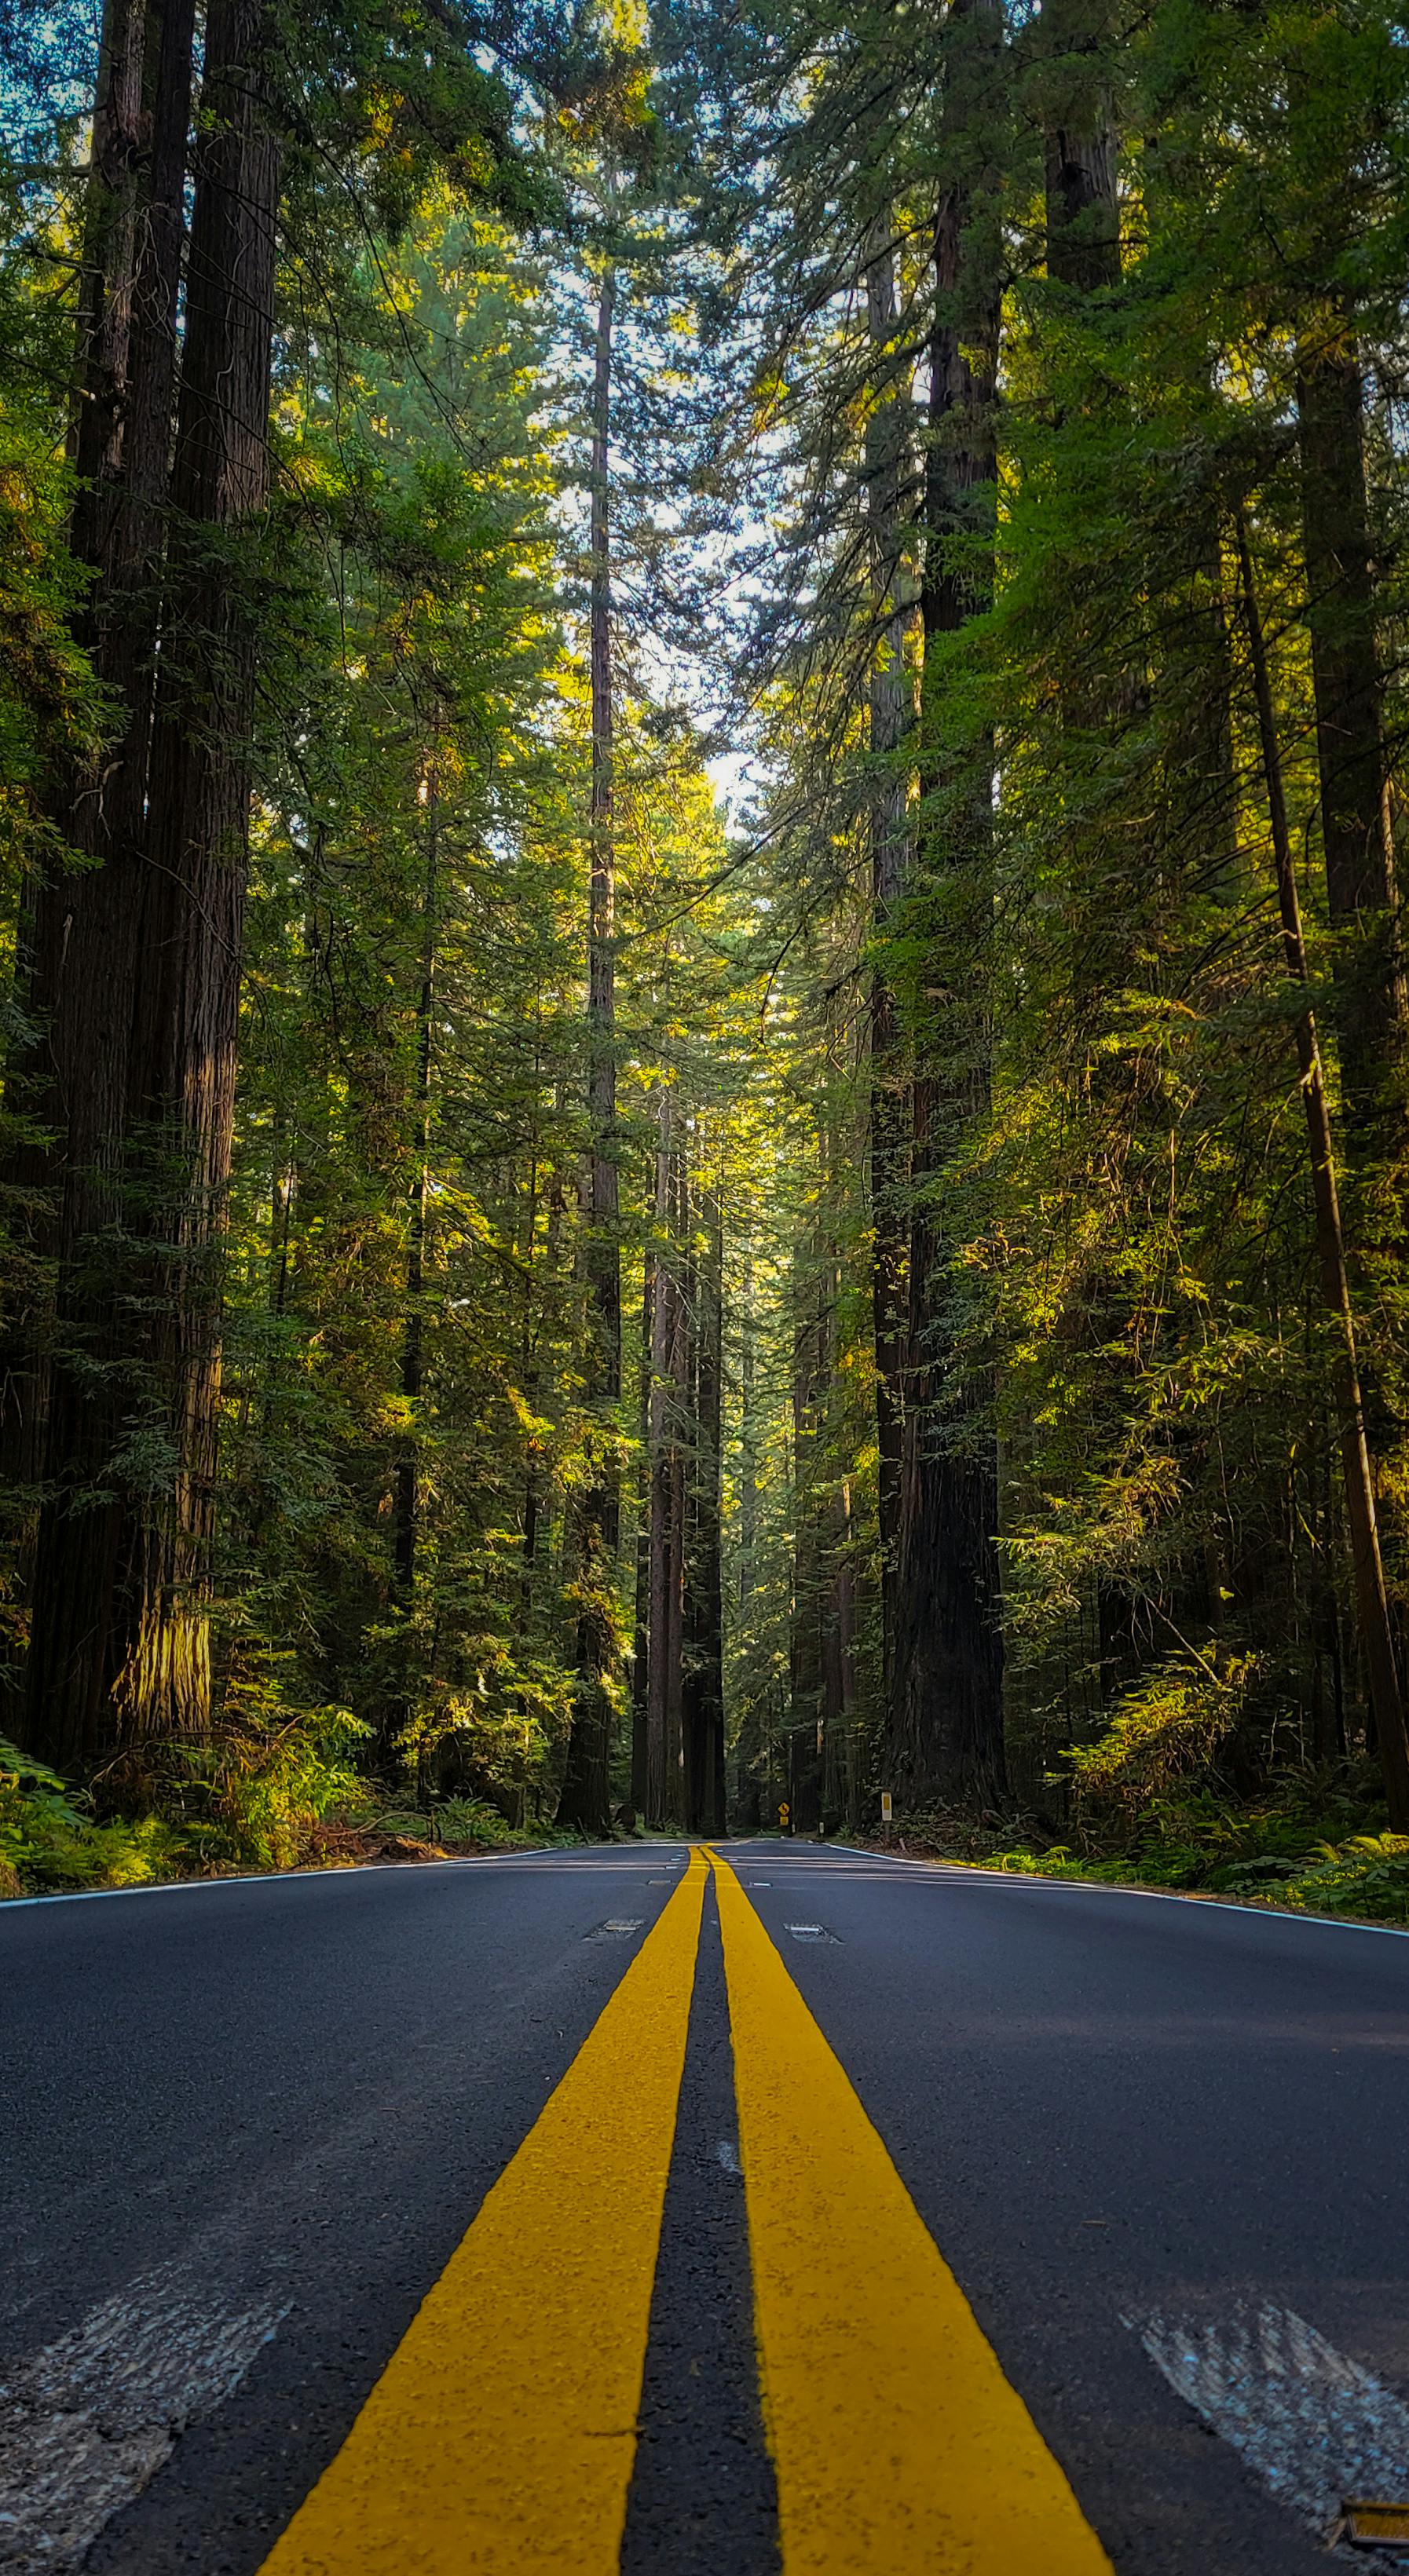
{"x": 701, "y": 728}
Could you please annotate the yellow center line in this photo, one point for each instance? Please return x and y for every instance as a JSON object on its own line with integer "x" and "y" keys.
{"x": 502, "y": 2434}
{"x": 899, "y": 2446}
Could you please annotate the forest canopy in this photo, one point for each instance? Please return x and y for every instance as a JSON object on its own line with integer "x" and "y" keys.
{"x": 704, "y": 1017}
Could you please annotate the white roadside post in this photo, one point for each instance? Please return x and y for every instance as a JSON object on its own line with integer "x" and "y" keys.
{"x": 887, "y": 1810}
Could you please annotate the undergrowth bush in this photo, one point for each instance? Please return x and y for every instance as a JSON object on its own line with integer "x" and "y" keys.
{"x": 1366, "y": 1875}
{"x": 1169, "y": 1730}
{"x": 249, "y": 1798}
{"x": 1152, "y": 1805}
{"x": 50, "y": 1836}
{"x": 455, "y": 1824}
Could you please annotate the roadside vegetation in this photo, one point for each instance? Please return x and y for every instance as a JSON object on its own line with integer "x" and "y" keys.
{"x": 1307, "y": 1851}
{"x": 282, "y": 1808}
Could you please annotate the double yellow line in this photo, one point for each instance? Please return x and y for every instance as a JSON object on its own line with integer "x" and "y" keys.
{"x": 502, "y": 2434}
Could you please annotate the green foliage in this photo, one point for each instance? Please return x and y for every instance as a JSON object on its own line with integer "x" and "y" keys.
{"x": 1170, "y": 1729}
{"x": 449, "y": 1824}
{"x": 250, "y": 1799}
{"x": 1364, "y": 1878}
{"x": 1275, "y": 1850}
{"x": 50, "y": 1838}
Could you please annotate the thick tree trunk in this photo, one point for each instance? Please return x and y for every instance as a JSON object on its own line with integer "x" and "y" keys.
{"x": 889, "y": 1103}
{"x": 641, "y": 1667}
{"x": 712, "y": 1565}
{"x": 945, "y": 1710}
{"x": 1372, "y": 1609}
{"x": 665, "y": 1786}
{"x": 1355, "y": 819}
{"x": 749, "y": 1746}
{"x": 586, "y": 1796}
{"x": 705, "y": 1609}
{"x": 677, "y": 1393}
{"x": 190, "y": 929}
{"x": 78, "y": 939}
{"x": 406, "y": 1513}
{"x": 1073, "y": 40}
{"x": 839, "y": 1666}
{"x": 811, "y": 1355}
{"x": 149, "y": 955}
{"x": 692, "y": 1735}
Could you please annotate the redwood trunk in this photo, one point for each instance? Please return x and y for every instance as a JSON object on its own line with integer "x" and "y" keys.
{"x": 1082, "y": 206}
{"x": 1372, "y": 1608}
{"x": 945, "y": 1707}
{"x": 69, "y": 1398}
{"x": 641, "y": 1668}
{"x": 407, "y": 1499}
{"x": 1355, "y": 821}
{"x": 665, "y": 1804}
{"x": 704, "y": 1678}
{"x": 889, "y": 1105}
{"x": 190, "y": 924}
{"x": 586, "y": 1796}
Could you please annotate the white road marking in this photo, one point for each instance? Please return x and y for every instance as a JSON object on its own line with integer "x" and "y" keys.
{"x": 87, "y": 2422}
{"x": 728, "y": 2155}
{"x": 1316, "y": 2426}
{"x": 584, "y": 1864}
{"x": 941, "y": 1873}
{"x": 953, "y": 1873}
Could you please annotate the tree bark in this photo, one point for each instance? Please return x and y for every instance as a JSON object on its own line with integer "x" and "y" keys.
{"x": 63, "y": 1351}
{"x": 190, "y": 924}
{"x": 586, "y": 1796}
{"x": 641, "y": 1667}
{"x": 665, "y": 1800}
{"x": 406, "y": 1515}
{"x": 1372, "y": 1608}
{"x": 1355, "y": 819}
{"x": 1074, "y": 39}
{"x": 889, "y": 1100}
{"x": 677, "y": 1379}
{"x": 806, "y": 1734}
{"x": 148, "y": 956}
{"x": 705, "y": 1682}
{"x": 945, "y": 1695}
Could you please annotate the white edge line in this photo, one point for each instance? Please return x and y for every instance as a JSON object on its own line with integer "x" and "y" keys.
{"x": 281, "y": 1877}
{"x": 1101, "y": 1887}
{"x": 896, "y": 1860}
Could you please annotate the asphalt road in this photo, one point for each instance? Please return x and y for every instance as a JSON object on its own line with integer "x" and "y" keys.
{"x": 1161, "y": 2145}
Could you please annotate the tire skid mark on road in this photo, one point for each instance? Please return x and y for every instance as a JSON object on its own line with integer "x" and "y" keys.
{"x": 87, "y": 2422}
{"x": 1315, "y": 2426}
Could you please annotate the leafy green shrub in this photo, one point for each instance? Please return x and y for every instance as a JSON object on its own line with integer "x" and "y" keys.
{"x": 1303, "y": 1844}
{"x": 247, "y": 1799}
{"x": 1369, "y": 1874}
{"x": 49, "y": 1837}
{"x": 456, "y": 1824}
{"x": 1166, "y": 1732}
{"x": 268, "y": 1787}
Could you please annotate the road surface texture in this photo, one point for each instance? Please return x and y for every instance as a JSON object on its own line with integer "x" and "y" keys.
{"x": 805, "y": 2211}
